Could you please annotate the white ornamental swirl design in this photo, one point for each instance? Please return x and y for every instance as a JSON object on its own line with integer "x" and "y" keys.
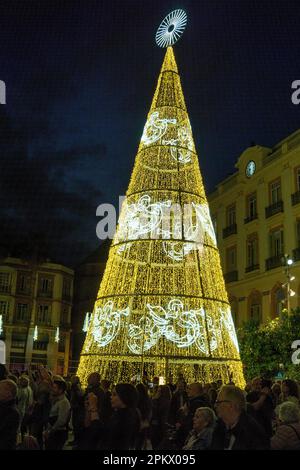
{"x": 182, "y": 147}
{"x": 155, "y": 128}
{"x": 193, "y": 233}
{"x": 106, "y": 323}
{"x": 139, "y": 219}
{"x": 166, "y": 322}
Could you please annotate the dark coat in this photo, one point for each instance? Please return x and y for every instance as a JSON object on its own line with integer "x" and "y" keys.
{"x": 247, "y": 435}
{"x": 120, "y": 432}
{"x": 9, "y": 424}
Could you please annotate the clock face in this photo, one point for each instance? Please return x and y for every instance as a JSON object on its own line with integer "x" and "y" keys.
{"x": 250, "y": 168}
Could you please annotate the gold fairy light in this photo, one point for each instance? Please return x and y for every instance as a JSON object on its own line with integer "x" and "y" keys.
{"x": 162, "y": 305}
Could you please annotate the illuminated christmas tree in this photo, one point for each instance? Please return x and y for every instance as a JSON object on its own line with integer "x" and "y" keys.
{"x": 162, "y": 305}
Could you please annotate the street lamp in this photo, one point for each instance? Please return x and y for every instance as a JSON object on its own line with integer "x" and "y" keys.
{"x": 288, "y": 263}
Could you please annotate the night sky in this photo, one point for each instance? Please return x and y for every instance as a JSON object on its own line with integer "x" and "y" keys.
{"x": 80, "y": 76}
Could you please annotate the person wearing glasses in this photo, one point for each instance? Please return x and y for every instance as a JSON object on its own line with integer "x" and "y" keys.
{"x": 236, "y": 429}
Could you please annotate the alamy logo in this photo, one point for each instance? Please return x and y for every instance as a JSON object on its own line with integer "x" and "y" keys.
{"x": 2, "y": 92}
{"x": 296, "y": 94}
{"x": 296, "y": 354}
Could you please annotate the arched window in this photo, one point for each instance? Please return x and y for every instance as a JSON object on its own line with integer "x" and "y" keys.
{"x": 278, "y": 300}
{"x": 255, "y": 306}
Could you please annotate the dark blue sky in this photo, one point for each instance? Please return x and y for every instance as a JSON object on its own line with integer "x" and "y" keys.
{"x": 80, "y": 77}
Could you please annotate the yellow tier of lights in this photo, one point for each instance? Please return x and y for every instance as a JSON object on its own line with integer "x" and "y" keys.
{"x": 162, "y": 306}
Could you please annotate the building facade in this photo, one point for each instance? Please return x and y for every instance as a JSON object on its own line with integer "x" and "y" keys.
{"x": 256, "y": 215}
{"x": 88, "y": 275}
{"x": 36, "y": 297}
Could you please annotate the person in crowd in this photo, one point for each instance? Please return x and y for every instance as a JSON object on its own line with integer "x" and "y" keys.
{"x": 287, "y": 435}
{"x": 13, "y": 377}
{"x": 122, "y": 429}
{"x": 24, "y": 402}
{"x": 171, "y": 384}
{"x": 196, "y": 399}
{"x": 3, "y": 372}
{"x": 144, "y": 407}
{"x": 94, "y": 387}
{"x": 179, "y": 399}
{"x": 106, "y": 408}
{"x": 203, "y": 426}
{"x": 161, "y": 402}
{"x": 41, "y": 384}
{"x": 262, "y": 406}
{"x": 235, "y": 429}
{"x": 290, "y": 391}
{"x": 56, "y": 434}
{"x": 9, "y": 415}
{"x": 212, "y": 394}
{"x": 77, "y": 408}
{"x": 276, "y": 391}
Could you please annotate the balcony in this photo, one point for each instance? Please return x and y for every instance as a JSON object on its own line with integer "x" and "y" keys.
{"x": 5, "y": 289}
{"x": 232, "y": 276}
{"x": 43, "y": 322}
{"x": 45, "y": 295}
{"x": 251, "y": 268}
{"x": 250, "y": 218}
{"x": 296, "y": 254}
{"x": 295, "y": 198}
{"x": 274, "y": 262}
{"x": 21, "y": 319}
{"x": 274, "y": 209}
{"x": 230, "y": 230}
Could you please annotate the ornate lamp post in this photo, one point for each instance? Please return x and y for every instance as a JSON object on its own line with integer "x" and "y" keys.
{"x": 287, "y": 263}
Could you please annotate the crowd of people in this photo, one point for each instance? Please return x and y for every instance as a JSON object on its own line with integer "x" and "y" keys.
{"x": 40, "y": 411}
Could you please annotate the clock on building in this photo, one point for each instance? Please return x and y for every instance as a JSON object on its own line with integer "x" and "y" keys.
{"x": 250, "y": 168}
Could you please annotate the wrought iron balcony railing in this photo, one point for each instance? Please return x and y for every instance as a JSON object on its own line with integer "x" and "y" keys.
{"x": 230, "y": 230}
{"x": 274, "y": 209}
{"x": 274, "y": 262}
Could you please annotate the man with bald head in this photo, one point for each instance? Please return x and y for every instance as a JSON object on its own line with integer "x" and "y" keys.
{"x": 236, "y": 430}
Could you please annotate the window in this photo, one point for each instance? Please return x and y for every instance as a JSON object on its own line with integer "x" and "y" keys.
{"x": 45, "y": 285}
{"x": 298, "y": 179}
{"x": 41, "y": 344}
{"x": 65, "y": 316}
{"x": 66, "y": 290}
{"x": 18, "y": 340}
{"x": 23, "y": 283}
{"x": 255, "y": 312}
{"x": 43, "y": 314}
{"x": 4, "y": 306}
{"x": 251, "y": 206}
{"x": 4, "y": 282}
{"x": 62, "y": 344}
{"x": 252, "y": 251}
{"x": 279, "y": 301}
{"x": 22, "y": 313}
{"x": 275, "y": 191}
{"x": 231, "y": 220}
{"x": 298, "y": 232}
{"x": 231, "y": 259}
{"x": 276, "y": 243}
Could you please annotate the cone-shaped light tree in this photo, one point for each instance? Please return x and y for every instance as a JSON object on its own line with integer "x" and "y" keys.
{"x": 162, "y": 306}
